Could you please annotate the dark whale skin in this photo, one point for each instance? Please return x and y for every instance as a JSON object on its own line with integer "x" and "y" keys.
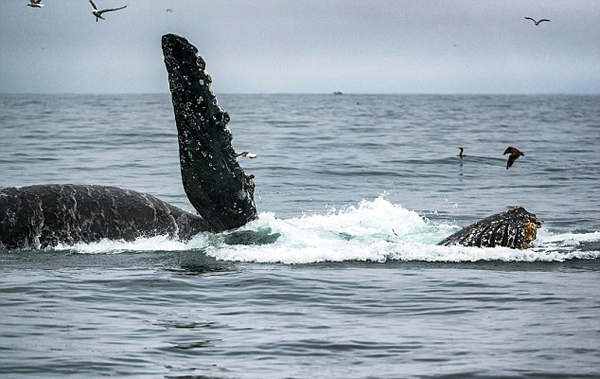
{"x": 47, "y": 215}
{"x": 516, "y": 228}
{"x": 42, "y": 216}
{"x": 214, "y": 182}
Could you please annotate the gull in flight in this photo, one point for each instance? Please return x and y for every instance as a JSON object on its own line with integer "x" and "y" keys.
{"x": 98, "y": 13}
{"x": 246, "y": 154}
{"x": 537, "y": 22}
{"x": 35, "y": 3}
{"x": 514, "y": 154}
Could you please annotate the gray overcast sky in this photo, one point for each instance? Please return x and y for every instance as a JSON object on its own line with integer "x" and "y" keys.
{"x": 306, "y": 46}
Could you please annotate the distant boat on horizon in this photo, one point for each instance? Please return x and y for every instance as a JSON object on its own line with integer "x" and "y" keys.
{"x": 337, "y": 93}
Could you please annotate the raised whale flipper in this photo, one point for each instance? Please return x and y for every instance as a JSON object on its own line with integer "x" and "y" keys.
{"x": 45, "y": 215}
{"x": 213, "y": 180}
{"x": 516, "y": 228}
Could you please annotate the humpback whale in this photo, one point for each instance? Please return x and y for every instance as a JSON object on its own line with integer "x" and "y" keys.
{"x": 214, "y": 182}
{"x": 46, "y": 215}
{"x": 216, "y": 186}
{"x": 516, "y": 228}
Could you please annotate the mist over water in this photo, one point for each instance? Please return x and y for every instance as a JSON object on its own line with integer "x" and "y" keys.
{"x": 340, "y": 276}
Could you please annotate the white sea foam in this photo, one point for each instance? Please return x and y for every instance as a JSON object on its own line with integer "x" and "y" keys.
{"x": 377, "y": 231}
{"x": 567, "y": 239}
{"x": 381, "y": 231}
{"x": 106, "y": 246}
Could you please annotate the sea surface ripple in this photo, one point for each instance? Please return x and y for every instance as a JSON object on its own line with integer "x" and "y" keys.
{"x": 340, "y": 276}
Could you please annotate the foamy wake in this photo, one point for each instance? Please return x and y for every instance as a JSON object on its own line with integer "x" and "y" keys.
{"x": 163, "y": 243}
{"x": 376, "y": 231}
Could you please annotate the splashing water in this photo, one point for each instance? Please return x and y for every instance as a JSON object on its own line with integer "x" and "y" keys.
{"x": 372, "y": 231}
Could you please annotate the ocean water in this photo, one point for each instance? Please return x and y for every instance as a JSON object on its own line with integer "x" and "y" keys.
{"x": 340, "y": 276}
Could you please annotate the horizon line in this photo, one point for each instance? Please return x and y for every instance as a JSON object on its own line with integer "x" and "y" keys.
{"x": 336, "y": 93}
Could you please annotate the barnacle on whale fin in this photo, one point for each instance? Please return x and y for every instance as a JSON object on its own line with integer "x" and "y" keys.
{"x": 213, "y": 180}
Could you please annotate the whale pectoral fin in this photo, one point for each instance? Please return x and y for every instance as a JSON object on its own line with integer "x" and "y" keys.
{"x": 515, "y": 228}
{"x": 213, "y": 180}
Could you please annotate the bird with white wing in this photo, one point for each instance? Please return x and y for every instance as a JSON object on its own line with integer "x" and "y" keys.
{"x": 98, "y": 13}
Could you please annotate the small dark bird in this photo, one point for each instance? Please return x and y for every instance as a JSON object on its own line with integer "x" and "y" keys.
{"x": 98, "y": 13}
{"x": 169, "y": 10}
{"x": 537, "y": 23}
{"x": 514, "y": 154}
{"x": 461, "y": 155}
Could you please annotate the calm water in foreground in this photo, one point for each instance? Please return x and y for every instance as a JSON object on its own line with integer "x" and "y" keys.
{"x": 340, "y": 276}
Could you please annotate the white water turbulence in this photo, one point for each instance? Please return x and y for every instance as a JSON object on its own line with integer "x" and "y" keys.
{"x": 375, "y": 231}
{"x": 372, "y": 231}
{"x": 106, "y": 246}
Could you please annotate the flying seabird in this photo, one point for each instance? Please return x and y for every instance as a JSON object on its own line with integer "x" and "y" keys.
{"x": 514, "y": 154}
{"x": 246, "y": 154}
{"x": 98, "y": 13}
{"x": 35, "y": 3}
{"x": 537, "y": 22}
{"x": 461, "y": 155}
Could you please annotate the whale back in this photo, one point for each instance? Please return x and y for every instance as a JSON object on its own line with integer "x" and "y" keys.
{"x": 516, "y": 228}
{"x": 213, "y": 181}
{"x": 47, "y": 215}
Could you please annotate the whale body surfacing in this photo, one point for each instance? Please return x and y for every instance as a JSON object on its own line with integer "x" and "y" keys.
{"x": 516, "y": 228}
{"x": 40, "y": 216}
{"x": 215, "y": 184}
